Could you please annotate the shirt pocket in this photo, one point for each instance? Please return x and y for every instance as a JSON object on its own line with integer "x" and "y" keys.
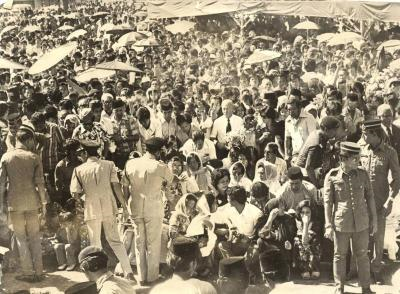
{"x": 339, "y": 190}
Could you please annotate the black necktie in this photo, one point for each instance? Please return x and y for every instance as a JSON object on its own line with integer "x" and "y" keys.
{"x": 389, "y": 132}
{"x": 228, "y": 126}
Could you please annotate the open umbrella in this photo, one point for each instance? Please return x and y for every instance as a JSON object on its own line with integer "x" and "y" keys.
{"x": 8, "y": 29}
{"x": 72, "y": 15}
{"x": 8, "y": 64}
{"x": 182, "y": 27}
{"x": 264, "y": 38}
{"x": 100, "y": 14}
{"x": 76, "y": 88}
{"x": 262, "y": 55}
{"x": 65, "y": 28}
{"x": 76, "y": 34}
{"x": 325, "y": 37}
{"x": 140, "y": 14}
{"x": 344, "y": 38}
{"x": 390, "y": 46}
{"x": 306, "y": 25}
{"x": 52, "y": 58}
{"x": 31, "y": 29}
{"x": 131, "y": 38}
{"x": 119, "y": 30}
{"x": 106, "y": 27}
{"x": 150, "y": 42}
{"x": 117, "y": 65}
{"x": 309, "y": 76}
{"x": 94, "y": 73}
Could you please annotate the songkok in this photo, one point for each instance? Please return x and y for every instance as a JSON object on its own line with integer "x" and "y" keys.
{"x": 330, "y": 122}
{"x": 372, "y": 124}
{"x": 294, "y": 173}
{"x": 349, "y": 148}
{"x": 184, "y": 247}
{"x": 155, "y": 143}
{"x": 384, "y": 109}
{"x": 90, "y": 251}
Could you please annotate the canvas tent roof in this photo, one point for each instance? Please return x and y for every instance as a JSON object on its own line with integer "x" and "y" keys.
{"x": 388, "y": 11}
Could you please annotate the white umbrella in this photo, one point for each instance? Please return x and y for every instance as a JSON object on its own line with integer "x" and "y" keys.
{"x": 309, "y": 76}
{"x": 94, "y": 73}
{"x": 259, "y": 56}
{"x": 65, "y": 28}
{"x": 31, "y": 29}
{"x": 76, "y": 34}
{"x": 344, "y": 38}
{"x": 390, "y": 46}
{"x": 117, "y": 65}
{"x": 306, "y": 25}
{"x": 325, "y": 37}
{"x": 131, "y": 38}
{"x": 151, "y": 42}
{"x": 51, "y": 58}
{"x": 8, "y": 64}
{"x": 182, "y": 27}
{"x": 8, "y": 29}
{"x": 107, "y": 27}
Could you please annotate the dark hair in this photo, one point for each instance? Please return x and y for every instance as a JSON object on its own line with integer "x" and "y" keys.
{"x": 142, "y": 114}
{"x": 193, "y": 156}
{"x": 37, "y": 118}
{"x": 91, "y": 150}
{"x": 334, "y": 108}
{"x": 30, "y": 105}
{"x": 24, "y": 135}
{"x": 95, "y": 104}
{"x": 183, "y": 118}
{"x": 240, "y": 165}
{"x": 71, "y": 145}
{"x": 198, "y": 135}
{"x": 238, "y": 193}
{"x": 51, "y": 111}
{"x": 259, "y": 190}
{"x": 3, "y": 109}
{"x": 301, "y": 205}
{"x": 217, "y": 175}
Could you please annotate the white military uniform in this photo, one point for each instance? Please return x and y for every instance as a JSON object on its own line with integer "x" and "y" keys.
{"x": 145, "y": 177}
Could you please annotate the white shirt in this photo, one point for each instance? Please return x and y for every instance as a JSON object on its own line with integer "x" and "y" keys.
{"x": 220, "y": 124}
{"x": 208, "y": 148}
{"x": 244, "y": 221}
{"x": 299, "y": 129}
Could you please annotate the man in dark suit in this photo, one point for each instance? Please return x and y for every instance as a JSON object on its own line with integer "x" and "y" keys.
{"x": 392, "y": 132}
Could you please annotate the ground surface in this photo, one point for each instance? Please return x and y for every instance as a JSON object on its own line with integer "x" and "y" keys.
{"x": 57, "y": 282}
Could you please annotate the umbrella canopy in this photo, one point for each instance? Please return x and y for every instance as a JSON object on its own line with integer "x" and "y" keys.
{"x": 390, "y": 46}
{"x": 117, "y": 65}
{"x": 66, "y": 28}
{"x": 8, "y": 64}
{"x": 182, "y": 27}
{"x": 344, "y": 38}
{"x": 131, "y": 38}
{"x": 395, "y": 64}
{"x": 76, "y": 88}
{"x": 72, "y": 15}
{"x": 94, "y": 73}
{"x": 262, "y": 55}
{"x": 264, "y": 38}
{"x": 309, "y": 76}
{"x": 8, "y": 29}
{"x": 52, "y": 58}
{"x": 76, "y": 34}
{"x": 107, "y": 27}
{"x": 31, "y": 29}
{"x": 119, "y": 30}
{"x": 151, "y": 42}
{"x": 100, "y": 14}
{"x": 325, "y": 37}
{"x": 306, "y": 25}
{"x": 140, "y": 14}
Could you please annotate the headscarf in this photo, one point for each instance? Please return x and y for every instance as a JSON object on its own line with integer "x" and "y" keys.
{"x": 244, "y": 181}
{"x": 271, "y": 174}
{"x": 202, "y": 175}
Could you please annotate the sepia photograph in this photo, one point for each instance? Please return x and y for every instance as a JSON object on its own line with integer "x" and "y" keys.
{"x": 199, "y": 146}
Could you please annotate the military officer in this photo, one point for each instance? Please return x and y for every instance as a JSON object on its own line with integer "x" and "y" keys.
{"x": 378, "y": 158}
{"x": 143, "y": 179}
{"x": 350, "y": 214}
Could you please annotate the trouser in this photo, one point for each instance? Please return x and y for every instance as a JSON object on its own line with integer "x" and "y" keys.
{"x": 148, "y": 247}
{"x": 25, "y": 225}
{"x": 66, "y": 253}
{"x": 377, "y": 243}
{"x": 359, "y": 243}
{"x": 109, "y": 225}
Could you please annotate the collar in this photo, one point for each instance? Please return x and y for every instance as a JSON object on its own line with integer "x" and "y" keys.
{"x": 19, "y": 145}
{"x": 302, "y": 114}
{"x": 100, "y": 281}
{"x": 93, "y": 159}
{"x": 342, "y": 172}
{"x": 379, "y": 147}
{"x": 149, "y": 156}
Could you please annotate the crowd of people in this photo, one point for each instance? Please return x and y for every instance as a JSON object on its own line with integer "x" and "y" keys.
{"x": 200, "y": 164}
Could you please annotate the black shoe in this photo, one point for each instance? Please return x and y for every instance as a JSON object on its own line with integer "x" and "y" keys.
{"x": 378, "y": 278}
{"x": 38, "y": 278}
{"x": 26, "y": 278}
{"x": 367, "y": 291}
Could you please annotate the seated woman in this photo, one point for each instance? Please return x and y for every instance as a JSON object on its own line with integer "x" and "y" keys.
{"x": 220, "y": 179}
{"x": 198, "y": 174}
{"x": 275, "y": 241}
{"x": 185, "y": 211}
{"x": 306, "y": 244}
{"x": 267, "y": 174}
{"x": 239, "y": 177}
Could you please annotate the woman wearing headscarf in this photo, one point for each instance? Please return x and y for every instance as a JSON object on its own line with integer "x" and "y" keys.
{"x": 185, "y": 211}
{"x": 197, "y": 172}
{"x": 307, "y": 251}
{"x": 239, "y": 177}
{"x": 266, "y": 173}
